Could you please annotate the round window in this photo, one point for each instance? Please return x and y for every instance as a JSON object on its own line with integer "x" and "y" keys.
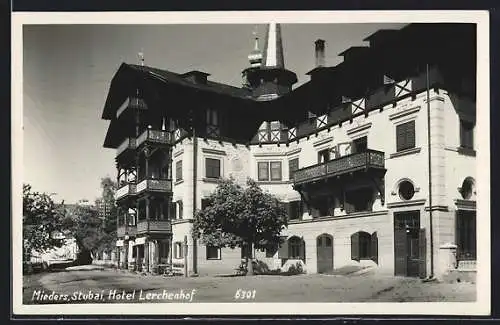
{"x": 406, "y": 190}
{"x": 467, "y": 188}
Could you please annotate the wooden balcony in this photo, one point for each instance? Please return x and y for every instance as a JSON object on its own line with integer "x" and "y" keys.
{"x": 127, "y": 145}
{"x": 154, "y": 137}
{"x": 122, "y": 231}
{"x": 154, "y": 226}
{"x": 367, "y": 160}
{"x": 128, "y": 189}
{"x": 154, "y": 185}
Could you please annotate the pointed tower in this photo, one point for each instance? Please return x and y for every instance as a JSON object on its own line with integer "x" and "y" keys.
{"x": 269, "y": 79}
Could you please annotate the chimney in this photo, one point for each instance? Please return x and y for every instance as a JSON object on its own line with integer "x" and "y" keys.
{"x": 320, "y": 52}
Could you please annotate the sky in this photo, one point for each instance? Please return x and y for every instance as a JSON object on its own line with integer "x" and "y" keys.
{"x": 67, "y": 70}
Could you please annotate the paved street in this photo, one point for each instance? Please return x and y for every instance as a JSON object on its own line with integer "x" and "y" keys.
{"x": 104, "y": 286}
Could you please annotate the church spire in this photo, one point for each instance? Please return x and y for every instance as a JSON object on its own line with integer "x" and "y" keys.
{"x": 267, "y": 77}
{"x": 273, "y": 47}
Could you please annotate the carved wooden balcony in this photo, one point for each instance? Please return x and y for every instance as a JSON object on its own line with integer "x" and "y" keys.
{"x": 128, "y": 145}
{"x": 154, "y": 226}
{"x": 368, "y": 160}
{"x": 154, "y": 185}
{"x": 129, "y": 230}
{"x": 154, "y": 137}
{"x": 126, "y": 190}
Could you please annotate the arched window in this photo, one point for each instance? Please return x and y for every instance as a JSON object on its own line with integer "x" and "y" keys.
{"x": 364, "y": 246}
{"x": 406, "y": 190}
{"x": 468, "y": 188}
{"x": 296, "y": 248}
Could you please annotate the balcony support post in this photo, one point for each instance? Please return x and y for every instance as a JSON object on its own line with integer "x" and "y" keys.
{"x": 379, "y": 185}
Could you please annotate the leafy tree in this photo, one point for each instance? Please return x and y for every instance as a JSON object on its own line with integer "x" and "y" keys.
{"x": 108, "y": 239}
{"x": 41, "y": 219}
{"x": 240, "y": 217}
{"x": 85, "y": 225}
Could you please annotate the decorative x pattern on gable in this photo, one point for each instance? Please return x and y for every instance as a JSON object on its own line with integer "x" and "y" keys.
{"x": 403, "y": 87}
{"x": 177, "y": 134}
{"x": 358, "y": 105}
{"x": 275, "y": 135}
{"x": 321, "y": 121}
{"x": 292, "y": 133}
{"x": 263, "y": 136}
{"x": 213, "y": 131}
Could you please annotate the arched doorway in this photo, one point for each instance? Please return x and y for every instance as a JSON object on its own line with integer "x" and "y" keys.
{"x": 324, "y": 251}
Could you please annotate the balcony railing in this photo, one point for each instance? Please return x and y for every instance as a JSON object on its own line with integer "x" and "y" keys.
{"x": 128, "y": 144}
{"x": 162, "y": 226}
{"x": 122, "y": 230}
{"x": 154, "y": 185}
{"x": 128, "y": 189}
{"x": 339, "y": 166}
{"x": 154, "y": 136}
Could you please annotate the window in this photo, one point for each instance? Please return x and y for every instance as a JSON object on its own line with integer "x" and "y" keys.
{"x": 360, "y": 145}
{"x": 212, "y": 123}
{"x": 293, "y": 165}
{"x": 364, "y": 246}
{"x": 296, "y": 248}
{"x": 178, "y": 170}
{"x": 405, "y": 136}
{"x": 323, "y": 156}
{"x": 466, "y": 235}
{"x": 294, "y": 210}
{"x": 466, "y": 134}
{"x": 212, "y": 117}
{"x": 180, "y": 206}
{"x": 178, "y": 250}
{"x": 212, "y": 168}
{"x": 276, "y": 170}
{"x": 269, "y": 171}
{"x": 406, "y": 190}
{"x": 358, "y": 200}
{"x": 263, "y": 171}
{"x": 213, "y": 253}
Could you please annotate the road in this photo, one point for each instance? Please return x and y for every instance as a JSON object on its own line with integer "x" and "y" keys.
{"x": 108, "y": 286}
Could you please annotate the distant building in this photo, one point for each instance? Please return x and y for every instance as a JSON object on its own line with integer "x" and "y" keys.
{"x": 104, "y": 208}
{"x": 347, "y": 152}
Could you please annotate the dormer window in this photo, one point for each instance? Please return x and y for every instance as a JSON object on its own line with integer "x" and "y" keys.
{"x": 212, "y": 120}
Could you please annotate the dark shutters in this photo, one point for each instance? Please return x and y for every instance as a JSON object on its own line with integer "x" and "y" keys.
{"x": 405, "y": 136}
{"x": 178, "y": 170}
{"x": 293, "y": 165}
{"x": 374, "y": 247}
{"x": 173, "y": 210}
{"x": 422, "y": 253}
{"x": 355, "y": 246}
{"x": 400, "y": 256}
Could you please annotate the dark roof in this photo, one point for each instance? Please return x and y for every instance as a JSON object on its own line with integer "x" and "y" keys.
{"x": 179, "y": 79}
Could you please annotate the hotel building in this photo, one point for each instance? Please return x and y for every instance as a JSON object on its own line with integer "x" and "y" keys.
{"x": 374, "y": 158}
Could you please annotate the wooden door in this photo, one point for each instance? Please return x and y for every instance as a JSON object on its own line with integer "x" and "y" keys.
{"x": 324, "y": 251}
{"x": 409, "y": 255}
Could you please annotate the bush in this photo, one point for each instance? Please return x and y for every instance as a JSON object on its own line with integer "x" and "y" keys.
{"x": 295, "y": 269}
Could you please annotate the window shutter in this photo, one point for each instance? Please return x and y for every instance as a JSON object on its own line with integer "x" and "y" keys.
{"x": 289, "y": 210}
{"x": 374, "y": 247}
{"x": 355, "y": 246}
{"x": 422, "y": 253}
{"x": 175, "y": 250}
{"x": 283, "y": 249}
{"x": 400, "y": 137}
{"x": 410, "y": 135}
